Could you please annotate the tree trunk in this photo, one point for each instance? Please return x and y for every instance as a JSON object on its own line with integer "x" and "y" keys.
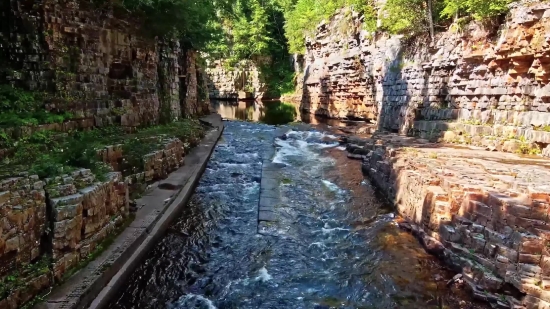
{"x": 430, "y": 18}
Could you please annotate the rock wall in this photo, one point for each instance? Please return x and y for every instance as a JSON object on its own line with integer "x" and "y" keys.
{"x": 475, "y": 76}
{"x": 484, "y": 213}
{"x": 83, "y": 212}
{"x": 95, "y": 64}
{"x": 226, "y": 83}
{"x": 101, "y": 68}
{"x": 23, "y": 217}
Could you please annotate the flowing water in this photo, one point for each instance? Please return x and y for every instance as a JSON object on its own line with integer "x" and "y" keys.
{"x": 334, "y": 246}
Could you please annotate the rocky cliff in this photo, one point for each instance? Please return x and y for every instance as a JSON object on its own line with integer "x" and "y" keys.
{"x": 96, "y": 65}
{"x": 490, "y": 79}
{"x": 486, "y": 214}
{"x": 226, "y": 82}
{"x": 104, "y": 71}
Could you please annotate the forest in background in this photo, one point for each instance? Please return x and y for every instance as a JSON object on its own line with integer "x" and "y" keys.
{"x": 250, "y": 29}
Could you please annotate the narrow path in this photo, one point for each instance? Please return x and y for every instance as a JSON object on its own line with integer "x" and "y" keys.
{"x": 319, "y": 249}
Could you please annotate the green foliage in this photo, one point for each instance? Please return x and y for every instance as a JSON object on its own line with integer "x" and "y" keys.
{"x": 193, "y": 22}
{"x": 303, "y": 16}
{"x": 23, "y": 108}
{"x": 18, "y": 278}
{"x": 479, "y": 9}
{"x": 49, "y": 154}
{"x": 280, "y": 79}
{"x": 403, "y": 16}
{"x": 17, "y": 100}
{"x": 279, "y": 113}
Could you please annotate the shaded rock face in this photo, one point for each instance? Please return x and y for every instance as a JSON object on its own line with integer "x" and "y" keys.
{"x": 224, "y": 83}
{"x": 101, "y": 69}
{"x": 23, "y": 218}
{"x": 97, "y": 66}
{"x": 478, "y": 75}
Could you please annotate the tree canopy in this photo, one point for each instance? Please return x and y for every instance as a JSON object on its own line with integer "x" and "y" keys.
{"x": 244, "y": 29}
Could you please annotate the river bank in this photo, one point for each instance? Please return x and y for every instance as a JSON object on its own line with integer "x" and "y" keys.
{"x": 332, "y": 245}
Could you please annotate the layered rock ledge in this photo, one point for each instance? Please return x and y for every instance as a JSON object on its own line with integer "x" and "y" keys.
{"x": 484, "y": 213}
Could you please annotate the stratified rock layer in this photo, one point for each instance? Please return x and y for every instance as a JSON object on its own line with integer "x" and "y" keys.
{"x": 475, "y": 76}
{"x": 484, "y": 213}
{"x": 226, "y": 83}
{"x": 97, "y": 66}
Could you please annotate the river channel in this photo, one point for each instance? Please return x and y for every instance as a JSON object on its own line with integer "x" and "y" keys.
{"x": 334, "y": 244}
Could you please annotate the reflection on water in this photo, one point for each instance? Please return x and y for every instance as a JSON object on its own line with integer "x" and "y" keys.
{"x": 270, "y": 112}
{"x": 274, "y": 112}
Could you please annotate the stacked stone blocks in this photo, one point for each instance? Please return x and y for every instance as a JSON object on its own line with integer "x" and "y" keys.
{"x": 84, "y": 211}
{"x": 23, "y": 221}
{"x": 477, "y": 76}
{"x": 489, "y": 220}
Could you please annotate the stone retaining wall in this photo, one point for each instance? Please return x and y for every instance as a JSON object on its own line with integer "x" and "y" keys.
{"x": 23, "y": 221}
{"x": 83, "y": 212}
{"x": 66, "y": 218}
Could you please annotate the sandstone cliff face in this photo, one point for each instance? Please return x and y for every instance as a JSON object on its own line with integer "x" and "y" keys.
{"x": 475, "y": 76}
{"x": 224, "y": 83}
{"x": 95, "y": 65}
{"x": 484, "y": 213}
{"x": 99, "y": 68}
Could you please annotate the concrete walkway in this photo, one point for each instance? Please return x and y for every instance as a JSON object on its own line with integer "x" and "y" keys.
{"x": 97, "y": 283}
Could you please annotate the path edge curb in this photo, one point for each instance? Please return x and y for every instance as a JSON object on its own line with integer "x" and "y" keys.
{"x": 100, "y": 292}
{"x": 161, "y": 225}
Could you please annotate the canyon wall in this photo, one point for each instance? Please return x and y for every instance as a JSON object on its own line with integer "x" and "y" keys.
{"x": 226, "y": 83}
{"x": 490, "y": 80}
{"x": 104, "y": 71}
{"x": 97, "y": 66}
{"x": 484, "y": 213}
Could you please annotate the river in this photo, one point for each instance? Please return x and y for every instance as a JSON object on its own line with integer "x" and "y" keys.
{"x": 334, "y": 245}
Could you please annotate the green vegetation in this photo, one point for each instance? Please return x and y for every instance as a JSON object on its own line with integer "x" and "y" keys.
{"x": 16, "y": 279}
{"x": 398, "y": 16}
{"x": 49, "y": 154}
{"x": 544, "y": 128}
{"x": 303, "y": 16}
{"x": 279, "y": 113}
{"x": 23, "y": 108}
{"x": 479, "y": 9}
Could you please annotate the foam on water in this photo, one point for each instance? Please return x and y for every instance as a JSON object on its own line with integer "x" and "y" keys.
{"x": 192, "y": 300}
{"x": 263, "y": 275}
{"x": 333, "y": 187}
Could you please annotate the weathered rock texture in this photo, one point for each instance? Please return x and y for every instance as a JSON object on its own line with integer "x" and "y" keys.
{"x": 23, "y": 218}
{"x": 224, "y": 83}
{"x": 476, "y": 76}
{"x": 96, "y": 65}
{"x": 83, "y": 212}
{"x": 61, "y": 221}
{"x": 486, "y": 214}
{"x": 100, "y": 68}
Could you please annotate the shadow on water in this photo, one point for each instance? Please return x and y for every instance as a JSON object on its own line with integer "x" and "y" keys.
{"x": 279, "y": 113}
{"x": 275, "y": 113}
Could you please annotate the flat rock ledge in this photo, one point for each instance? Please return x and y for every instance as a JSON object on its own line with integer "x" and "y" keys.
{"x": 97, "y": 283}
{"x": 483, "y": 213}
